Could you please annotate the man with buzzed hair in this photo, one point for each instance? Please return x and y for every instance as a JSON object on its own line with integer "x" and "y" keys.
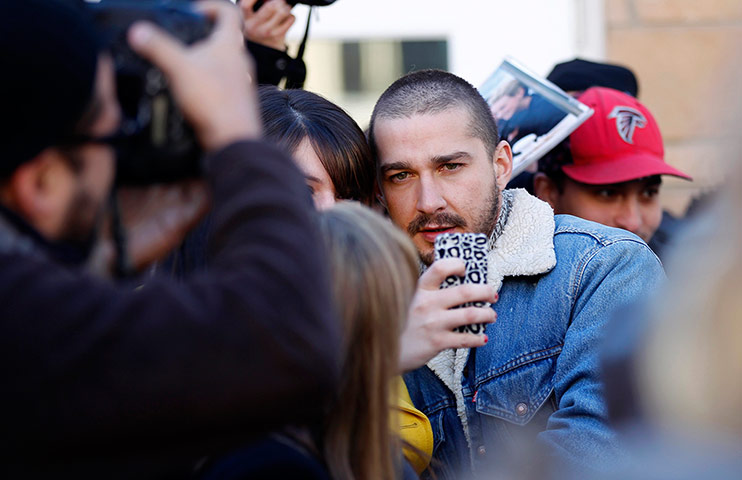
{"x": 535, "y": 385}
{"x": 405, "y": 98}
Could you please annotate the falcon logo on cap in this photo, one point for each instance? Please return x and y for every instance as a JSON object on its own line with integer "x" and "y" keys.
{"x": 627, "y": 120}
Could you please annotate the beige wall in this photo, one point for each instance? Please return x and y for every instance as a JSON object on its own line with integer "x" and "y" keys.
{"x": 685, "y": 53}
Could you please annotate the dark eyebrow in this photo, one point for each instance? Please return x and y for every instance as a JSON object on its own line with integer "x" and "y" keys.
{"x": 437, "y": 160}
{"x": 395, "y": 166}
{"x": 312, "y": 179}
{"x": 441, "y": 159}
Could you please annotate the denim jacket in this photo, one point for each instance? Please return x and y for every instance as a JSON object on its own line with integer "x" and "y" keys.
{"x": 535, "y": 387}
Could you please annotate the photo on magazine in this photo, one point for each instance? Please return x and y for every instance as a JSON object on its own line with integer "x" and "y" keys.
{"x": 531, "y": 113}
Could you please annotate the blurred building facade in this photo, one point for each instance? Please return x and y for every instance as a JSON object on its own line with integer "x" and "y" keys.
{"x": 685, "y": 53}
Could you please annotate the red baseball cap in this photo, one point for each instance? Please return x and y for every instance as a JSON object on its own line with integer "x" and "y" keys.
{"x": 620, "y": 142}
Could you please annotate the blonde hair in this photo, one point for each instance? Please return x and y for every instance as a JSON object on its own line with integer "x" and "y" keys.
{"x": 374, "y": 268}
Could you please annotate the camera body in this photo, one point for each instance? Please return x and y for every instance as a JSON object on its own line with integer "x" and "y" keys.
{"x": 158, "y": 146}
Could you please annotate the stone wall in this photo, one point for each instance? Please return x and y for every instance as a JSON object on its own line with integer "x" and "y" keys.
{"x": 686, "y": 55}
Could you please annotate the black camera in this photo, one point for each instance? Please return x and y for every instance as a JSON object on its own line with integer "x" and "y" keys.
{"x": 157, "y": 144}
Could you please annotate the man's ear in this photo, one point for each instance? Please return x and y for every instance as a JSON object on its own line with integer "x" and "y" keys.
{"x": 545, "y": 189}
{"x": 502, "y": 160}
{"x": 38, "y": 191}
{"x": 379, "y": 195}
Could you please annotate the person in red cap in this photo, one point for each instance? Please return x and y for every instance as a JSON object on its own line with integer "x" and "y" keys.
{"x": 609, "y": 170}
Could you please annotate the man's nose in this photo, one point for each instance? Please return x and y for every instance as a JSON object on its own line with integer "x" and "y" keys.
{"x": 429, "y": 199}
{"x": 629, "y": 215}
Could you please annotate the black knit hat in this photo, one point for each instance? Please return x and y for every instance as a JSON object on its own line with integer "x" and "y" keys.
{"x": 49, "y": 53}
{"x": 579, "y": 74}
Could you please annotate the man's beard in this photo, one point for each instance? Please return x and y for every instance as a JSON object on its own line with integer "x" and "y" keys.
{"x": 484, "y": 223}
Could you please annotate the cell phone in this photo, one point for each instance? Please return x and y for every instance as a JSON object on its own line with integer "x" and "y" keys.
{"x": 472, "y": 248}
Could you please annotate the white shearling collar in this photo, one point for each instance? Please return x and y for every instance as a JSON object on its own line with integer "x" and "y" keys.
{"x": 526, "y": 244}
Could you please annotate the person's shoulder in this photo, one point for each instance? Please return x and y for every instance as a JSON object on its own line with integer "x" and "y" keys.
{"x": 580, "y": 243}
{"x": 568, "y": 227}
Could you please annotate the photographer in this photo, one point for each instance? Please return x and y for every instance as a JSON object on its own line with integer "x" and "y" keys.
{"x": 97, "y": 373}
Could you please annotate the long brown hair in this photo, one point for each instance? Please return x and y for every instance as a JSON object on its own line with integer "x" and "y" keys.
{"x": 374, "y": 268}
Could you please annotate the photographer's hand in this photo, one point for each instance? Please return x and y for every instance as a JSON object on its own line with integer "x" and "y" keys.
{"x": 211, "y": 79}
{"x": 267, "y": 26}
{"x": 432, "y": 318}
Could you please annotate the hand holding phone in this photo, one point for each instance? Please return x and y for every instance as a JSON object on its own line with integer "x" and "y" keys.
{"x": 433, "y": 319}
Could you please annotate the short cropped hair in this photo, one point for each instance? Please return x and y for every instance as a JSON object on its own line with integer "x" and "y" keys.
{"x": 290, "y": 116}
{"x": 434, "y": 91}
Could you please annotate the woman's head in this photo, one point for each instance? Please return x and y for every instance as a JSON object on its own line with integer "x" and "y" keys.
{"x": 328, "y": 146}
{"x": 374, "y": 270}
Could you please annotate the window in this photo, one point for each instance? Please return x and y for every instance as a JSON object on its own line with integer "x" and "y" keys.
{"x": 371, "y": 65}
{"x": 354, "y": 73}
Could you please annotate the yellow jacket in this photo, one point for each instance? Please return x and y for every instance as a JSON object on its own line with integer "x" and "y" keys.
{"x": 414, "y": 429}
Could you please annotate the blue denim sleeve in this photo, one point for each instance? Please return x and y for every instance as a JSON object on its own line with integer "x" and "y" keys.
{"x": 609, "y": 277}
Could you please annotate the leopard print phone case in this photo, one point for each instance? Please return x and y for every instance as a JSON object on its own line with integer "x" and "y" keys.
{"x": 472, "y": 248}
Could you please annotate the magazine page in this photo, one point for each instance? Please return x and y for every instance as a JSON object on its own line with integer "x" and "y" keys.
{"x": 531, "y": 113}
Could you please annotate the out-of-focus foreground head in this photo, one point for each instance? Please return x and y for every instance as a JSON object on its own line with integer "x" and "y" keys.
{"x": 50, "y": 55}
{"x": 327, "y": 144}
{"x": 374, "y": 271}
{"x": 59, "y": 90}
{"x": 691, "y": 364}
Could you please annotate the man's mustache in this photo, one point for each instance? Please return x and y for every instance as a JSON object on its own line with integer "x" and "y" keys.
{"x": 424, "y": 220}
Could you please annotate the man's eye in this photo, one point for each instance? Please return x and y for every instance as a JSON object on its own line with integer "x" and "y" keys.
{"x": 651, "y": 192}
{"x": 606, "y": 193}
{"x": 450, "y": 167}
{"x": 398, "y": 177}
{"x": 311, "y": 189}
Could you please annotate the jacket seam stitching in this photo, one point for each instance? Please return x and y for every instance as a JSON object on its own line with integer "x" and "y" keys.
{"x": 597, "y": 237}
{"x": 575, "y": 285}
{"x": 520, "y": 362}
